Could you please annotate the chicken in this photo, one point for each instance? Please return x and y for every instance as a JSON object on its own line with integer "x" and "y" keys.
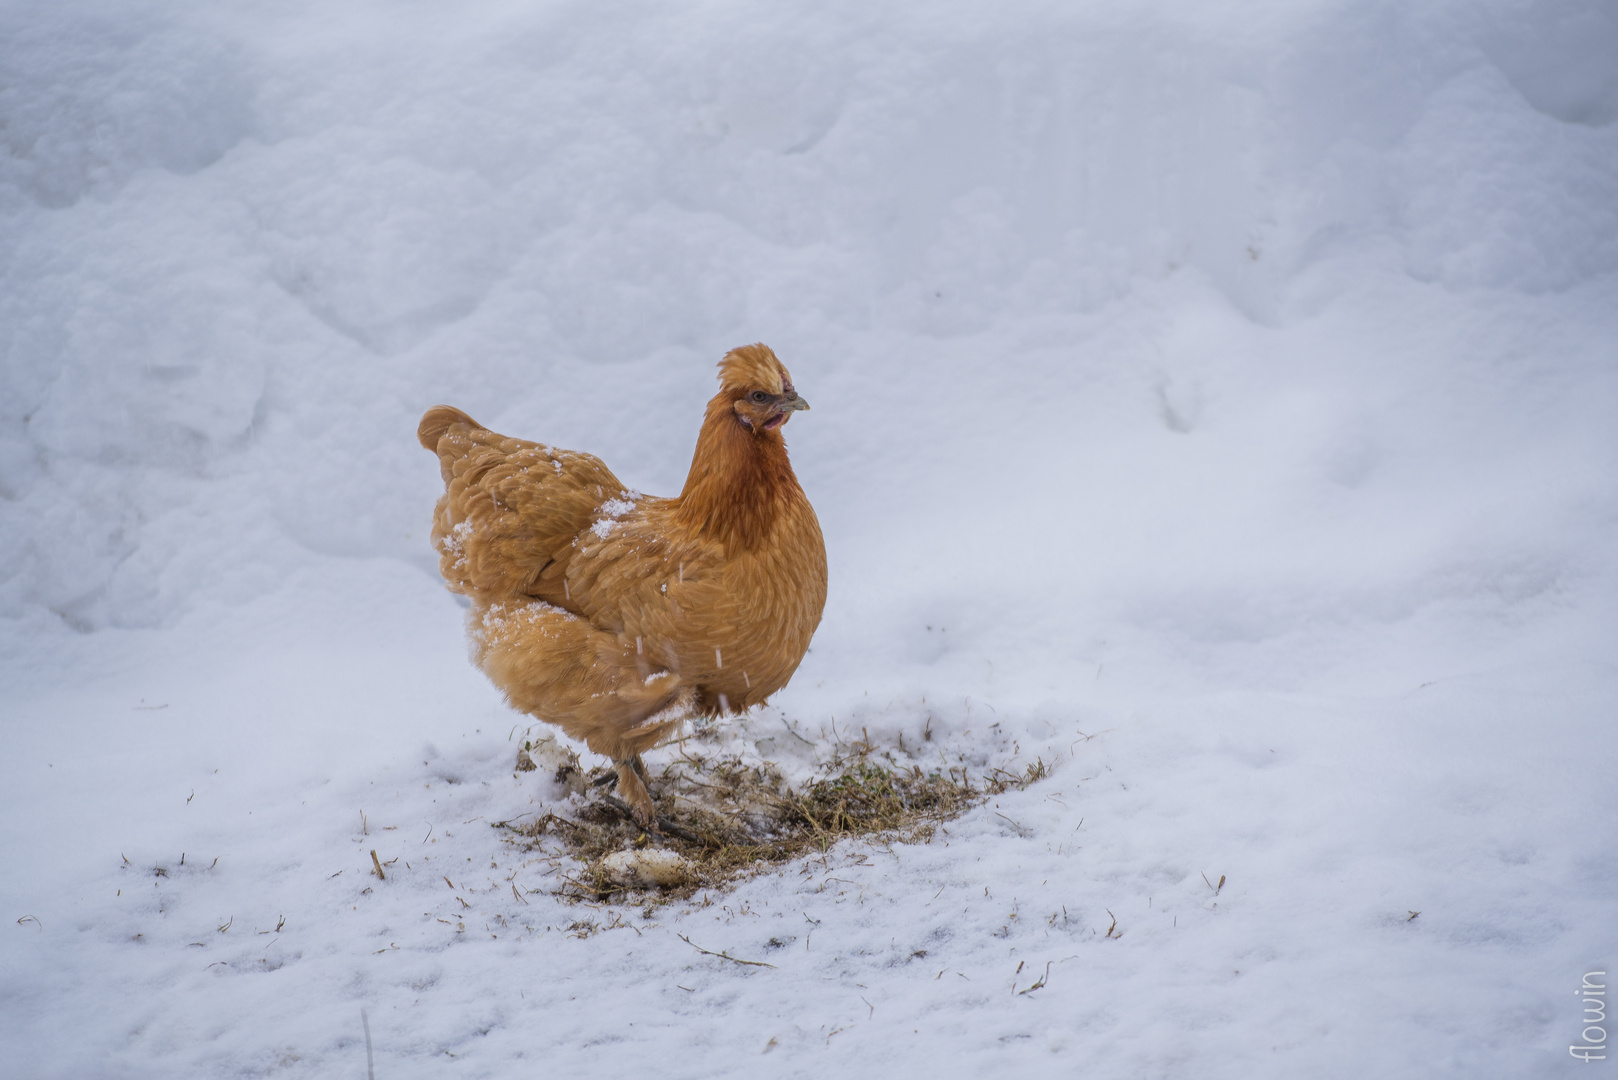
{"x": 617, "y": 616}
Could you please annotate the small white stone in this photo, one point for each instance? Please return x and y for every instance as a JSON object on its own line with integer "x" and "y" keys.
{"x": 646, "y": 868}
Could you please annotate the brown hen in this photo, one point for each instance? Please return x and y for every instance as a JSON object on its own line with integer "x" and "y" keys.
{"x": 616, "y": 615}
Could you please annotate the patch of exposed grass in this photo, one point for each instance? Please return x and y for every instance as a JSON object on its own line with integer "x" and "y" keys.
{"x": 741, "y": 819}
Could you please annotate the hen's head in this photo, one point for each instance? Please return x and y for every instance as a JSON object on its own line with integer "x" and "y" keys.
{"x": 759, "y": 388}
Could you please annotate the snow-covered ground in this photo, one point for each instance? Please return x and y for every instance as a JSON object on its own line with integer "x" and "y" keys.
{"x": 1217, "y": 401}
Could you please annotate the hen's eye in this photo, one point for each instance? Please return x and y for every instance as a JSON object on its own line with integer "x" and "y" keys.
{"x": 760, "y": 396}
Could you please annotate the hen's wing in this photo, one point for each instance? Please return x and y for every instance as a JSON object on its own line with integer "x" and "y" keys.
{"x": 511, "y": 509}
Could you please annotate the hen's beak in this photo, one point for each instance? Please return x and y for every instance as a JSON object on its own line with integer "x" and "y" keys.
{"x": 785, "y": 406}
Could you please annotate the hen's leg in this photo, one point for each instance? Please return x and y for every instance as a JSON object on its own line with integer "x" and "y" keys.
{"x": 589, "y": 683}
{"x": 610, "y": 780}
{"x": 633, "y": 790}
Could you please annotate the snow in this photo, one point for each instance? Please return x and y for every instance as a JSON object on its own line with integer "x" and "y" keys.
{"x": 1218, "y": 402}
{"x": 612, "y": 510}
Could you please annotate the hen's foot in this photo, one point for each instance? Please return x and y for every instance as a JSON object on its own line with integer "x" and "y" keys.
{"x": 633, "y": 791}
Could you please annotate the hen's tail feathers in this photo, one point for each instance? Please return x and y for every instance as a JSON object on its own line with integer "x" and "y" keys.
{"x": 439, "y": 419}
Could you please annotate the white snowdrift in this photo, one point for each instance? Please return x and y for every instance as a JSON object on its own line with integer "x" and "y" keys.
{"x": 1216, "y": 401}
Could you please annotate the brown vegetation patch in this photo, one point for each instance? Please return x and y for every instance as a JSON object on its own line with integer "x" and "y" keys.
{"x": 731, "y": 819}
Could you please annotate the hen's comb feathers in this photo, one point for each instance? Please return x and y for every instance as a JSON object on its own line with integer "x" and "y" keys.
{"x": 753, "y": 367}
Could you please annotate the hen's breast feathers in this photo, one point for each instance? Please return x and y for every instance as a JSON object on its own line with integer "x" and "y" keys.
{"x": 735, "y": 623}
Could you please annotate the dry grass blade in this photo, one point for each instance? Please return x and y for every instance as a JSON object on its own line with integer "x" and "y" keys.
{"x": 723, "y": 955}
{"x": 1040, "y": 983}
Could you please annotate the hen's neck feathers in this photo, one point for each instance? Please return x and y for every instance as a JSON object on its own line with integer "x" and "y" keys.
{"x": 740, "y": 482}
